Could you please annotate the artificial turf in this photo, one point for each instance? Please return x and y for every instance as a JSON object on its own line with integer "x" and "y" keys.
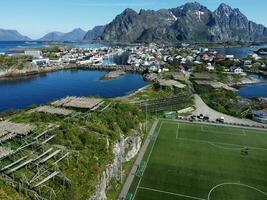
{"x": 196, "y": 161}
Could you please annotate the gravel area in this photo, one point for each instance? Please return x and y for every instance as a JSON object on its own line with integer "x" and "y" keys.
{"x": 202, "y": 108}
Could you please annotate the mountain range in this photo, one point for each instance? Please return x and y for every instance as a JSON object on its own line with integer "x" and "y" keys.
{"x": 191, "y": 22}
{"x": 73, "y": 36}
{"x": 12, "y": 35}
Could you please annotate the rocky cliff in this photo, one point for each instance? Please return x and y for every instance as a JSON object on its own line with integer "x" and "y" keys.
{"x": 93, "y": 34}
{"x": 124, "y": 151}
{"x": 190, "y": 22}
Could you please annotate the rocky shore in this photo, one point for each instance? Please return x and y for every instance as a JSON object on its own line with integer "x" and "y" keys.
{"x": 113, "y": 74}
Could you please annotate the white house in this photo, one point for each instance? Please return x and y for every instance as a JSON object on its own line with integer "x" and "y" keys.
{"x": 153, "y": 68}
{"x": 33, "y": 53}
{"x": 236, "y": 70}
{"x": 230, "y": 57}
{"x": 209, "y": 67}
{"x": 40, "y": 62}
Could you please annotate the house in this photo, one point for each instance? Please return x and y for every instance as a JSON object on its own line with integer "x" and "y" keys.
{"x": 33, "y": 53}
{"x": 255, "y": 56}
{"x": 197, "y": 62}
{"x": 230, "y": 57}
{"x": 236, "y": 70}
{"x": 153, "y": 69}
{"x": 205, "y": 57}
{"x": 219, "y": 57}
{"x": 260, "y": 116}
{"x": 209, "y": 67}
{"x": 247, "y": 62}
{"x": 165, "y": 70}
{"x": 41, "y": 62}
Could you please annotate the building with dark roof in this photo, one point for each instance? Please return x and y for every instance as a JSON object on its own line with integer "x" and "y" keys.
{"x": 260, "y": 116}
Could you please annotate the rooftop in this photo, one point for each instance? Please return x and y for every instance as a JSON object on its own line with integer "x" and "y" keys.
{"x": 78, "y": 102}
{"x": 53, "y": 110}
{"x": 9, "y": 130}
{"x": 172, "y": 83}
{"x": 261, "y": 114}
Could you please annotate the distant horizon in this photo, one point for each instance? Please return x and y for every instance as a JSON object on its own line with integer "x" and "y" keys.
{"x": 35, "y": 19}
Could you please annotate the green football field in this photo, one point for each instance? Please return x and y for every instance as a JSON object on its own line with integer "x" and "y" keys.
{"x": 203, "y": 162}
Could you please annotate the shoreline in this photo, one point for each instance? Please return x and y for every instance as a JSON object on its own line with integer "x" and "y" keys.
{"x": 35, "y": 71}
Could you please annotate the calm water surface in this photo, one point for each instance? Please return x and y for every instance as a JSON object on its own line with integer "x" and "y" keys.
{"x": 239, "y": 52}
{"x": 21, "y": 93}
{"x": 257, "y": 90}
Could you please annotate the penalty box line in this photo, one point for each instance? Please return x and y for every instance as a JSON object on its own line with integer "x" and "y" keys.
{"x": 222, "y": 143}
{"x": 177, "y": 131}
{"x": 216, "y": 131}
{"x": 171, "y": 193}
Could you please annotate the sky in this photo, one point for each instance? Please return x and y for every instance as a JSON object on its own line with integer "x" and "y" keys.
{"x": 35, "y": 18}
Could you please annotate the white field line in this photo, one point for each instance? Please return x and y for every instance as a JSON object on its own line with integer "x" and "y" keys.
{"x": 208, "y": 131}
{"x": 227, "y": 148}
{"x": 239, "y": 184}
{"x": 223, "y": 133}
{"x": 221, "y": 143}
{"x": 260, "y": 130}
{"x": 244, "y": 132}
{"x": 147, "y": 161}
{"x": 177, "y": 131}
{"x": 171, "y": 193}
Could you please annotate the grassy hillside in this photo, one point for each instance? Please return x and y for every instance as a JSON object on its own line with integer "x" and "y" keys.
{"x": 88, "y": 137}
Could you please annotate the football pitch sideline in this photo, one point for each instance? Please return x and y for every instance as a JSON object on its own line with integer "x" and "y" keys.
{"x": 203, "y": 162}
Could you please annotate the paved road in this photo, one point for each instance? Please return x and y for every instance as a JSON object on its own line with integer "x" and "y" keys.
{"x": 202, "y": 108}
{"x": 138, "y": 160}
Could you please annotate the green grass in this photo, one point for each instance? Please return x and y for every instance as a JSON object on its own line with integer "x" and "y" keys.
{"x": 187, "y": 160}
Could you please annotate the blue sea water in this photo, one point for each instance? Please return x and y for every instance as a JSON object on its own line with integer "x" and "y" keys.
{"x": 21, "y": 93}
{"x": 239, "y": 52}
{"x": 7, "y": 46}
{"x": 255, "y": 90}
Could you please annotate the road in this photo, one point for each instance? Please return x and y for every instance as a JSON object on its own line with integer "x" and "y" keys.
{"x": 202, "y": 108}
{"x": 138, "y": 160}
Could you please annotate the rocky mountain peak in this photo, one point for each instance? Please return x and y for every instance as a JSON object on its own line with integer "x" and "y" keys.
{"x": 223, "y": 10}
{"x": 77, "y": 30}
{"x": 193, "y": 6}
{"x": 129, "y": 11}
{"x": 190, "y": 22}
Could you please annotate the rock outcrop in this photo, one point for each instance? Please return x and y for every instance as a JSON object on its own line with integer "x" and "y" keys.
{"x": 113, "y": 74}
{"x": 94, "y": 34}
{"x": 124, "y": 151}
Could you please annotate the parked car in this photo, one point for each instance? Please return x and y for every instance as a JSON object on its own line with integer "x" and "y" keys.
{"x": 206, "y": 118}
{"x": 201, "y": 116}
{"x": 193, "y": 117}
{"x": 220, "y": 120}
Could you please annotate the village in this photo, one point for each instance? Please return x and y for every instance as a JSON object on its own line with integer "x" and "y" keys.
{"x": 151, "y": 57}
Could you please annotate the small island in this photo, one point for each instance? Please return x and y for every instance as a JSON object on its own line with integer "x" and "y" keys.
{"x": 113, "y": 75}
